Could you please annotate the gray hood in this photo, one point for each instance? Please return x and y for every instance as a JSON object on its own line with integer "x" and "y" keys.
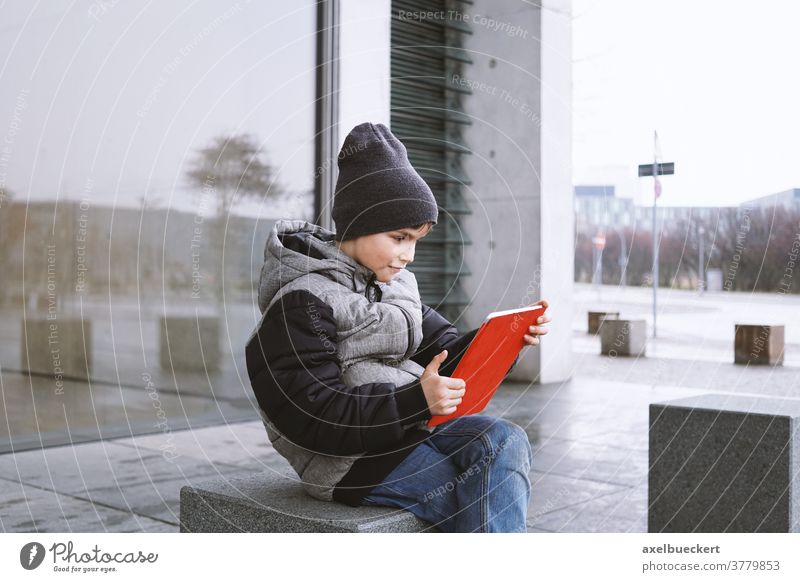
{"x": 296, "y": 248}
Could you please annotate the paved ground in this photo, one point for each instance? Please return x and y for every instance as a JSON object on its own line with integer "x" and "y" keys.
{"x": 590, "y": 469}
{"x": 589, "y": 434}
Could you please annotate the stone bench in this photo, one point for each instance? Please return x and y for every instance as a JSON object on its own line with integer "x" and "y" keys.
{"x": 596, "y": 319}
{"x": 623, "y": 337}
{"x": 758, "y": 344}
{"x": 270, "y": 502}
{"x": 722, "y": 463}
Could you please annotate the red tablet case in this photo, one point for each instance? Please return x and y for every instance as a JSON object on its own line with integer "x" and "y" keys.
{"x": 489, "y": 357}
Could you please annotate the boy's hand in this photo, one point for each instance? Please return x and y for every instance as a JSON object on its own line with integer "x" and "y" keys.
{"x": 532, "y": 337}
{"x": 442, "y": 393}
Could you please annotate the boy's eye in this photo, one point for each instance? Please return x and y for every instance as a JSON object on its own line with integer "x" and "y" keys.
{"x": 399, "y": 238}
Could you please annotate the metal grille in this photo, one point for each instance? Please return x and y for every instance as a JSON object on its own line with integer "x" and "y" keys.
{"x": 427, "y": 116}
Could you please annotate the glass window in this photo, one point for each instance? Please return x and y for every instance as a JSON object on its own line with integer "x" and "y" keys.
{"x": 146, "y": 152}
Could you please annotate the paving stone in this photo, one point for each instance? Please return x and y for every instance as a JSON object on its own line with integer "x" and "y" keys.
{"x": 30, "y": 509}
{"x": 552, "y": 492}
{"x": 592, "y": 462}
{"x": 159, "y": 500}
{"x": 624, "y": 511}
{"x": 629, "y": 440}
{"x": 688, "y": 375}
{"x": 73, "y": 469}
{"x": 228, "y": 444}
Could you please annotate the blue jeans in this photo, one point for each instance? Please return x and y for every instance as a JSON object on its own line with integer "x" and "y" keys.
{"x": 470, "y": 475}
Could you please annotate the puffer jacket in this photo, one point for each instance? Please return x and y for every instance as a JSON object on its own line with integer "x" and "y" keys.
{"x": 335, "y": 362}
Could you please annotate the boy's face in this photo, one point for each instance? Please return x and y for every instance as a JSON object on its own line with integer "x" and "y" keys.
{"x": 385, "y": 253}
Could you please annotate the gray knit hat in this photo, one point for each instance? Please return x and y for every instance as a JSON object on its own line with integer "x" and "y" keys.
{"x": 378, "y": 190}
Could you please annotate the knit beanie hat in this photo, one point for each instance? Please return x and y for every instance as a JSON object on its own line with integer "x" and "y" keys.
{"x": 378, "y": 190}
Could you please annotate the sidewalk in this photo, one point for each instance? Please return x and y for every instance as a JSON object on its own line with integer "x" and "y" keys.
{"x": 589, "y": 434}
{"x": 124, "y": 485}
{"x": 590, "y": 467}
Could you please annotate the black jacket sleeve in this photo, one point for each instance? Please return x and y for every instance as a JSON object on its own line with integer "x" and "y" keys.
{"x": 439, "y": 334}
{"x": 296, "y": 376}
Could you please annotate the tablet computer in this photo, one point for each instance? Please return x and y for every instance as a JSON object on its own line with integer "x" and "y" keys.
{"x": 489, "y": 357}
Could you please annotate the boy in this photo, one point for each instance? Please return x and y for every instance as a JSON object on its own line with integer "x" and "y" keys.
{"x": 348, "y": 365}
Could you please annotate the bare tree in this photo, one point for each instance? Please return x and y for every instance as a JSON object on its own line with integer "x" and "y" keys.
{"x": 228, "y": 170}
{"x": 231, "y": 169}
{"x": 755, "y": 248}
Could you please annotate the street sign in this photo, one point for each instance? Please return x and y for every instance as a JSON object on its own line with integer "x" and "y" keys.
{"x": 663, "y": 169}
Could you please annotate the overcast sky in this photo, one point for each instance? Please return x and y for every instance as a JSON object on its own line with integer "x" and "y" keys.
{"x": 110, "y": 101}
{"x": 718, "y": 80}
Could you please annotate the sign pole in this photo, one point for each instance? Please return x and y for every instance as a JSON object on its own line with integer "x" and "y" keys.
{"x": 655, "y": 239}
{"x": 656, "y": 169}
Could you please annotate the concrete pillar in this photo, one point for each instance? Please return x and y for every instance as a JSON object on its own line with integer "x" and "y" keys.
{"x": 521, "y": 226}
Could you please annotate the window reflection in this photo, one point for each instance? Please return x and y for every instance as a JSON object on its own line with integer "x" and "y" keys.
{"x": 146, "y": 152}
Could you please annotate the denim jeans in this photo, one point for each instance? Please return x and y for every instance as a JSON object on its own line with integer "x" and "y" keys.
{"x": 470, "y": 475}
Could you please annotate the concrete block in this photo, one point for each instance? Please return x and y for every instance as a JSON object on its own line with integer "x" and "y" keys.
{"x": 596, "y": 319}
{"x": 721, "y": 463}
{"x": 59, "y": 347}
{"x": 270, "y": 502}
{"x": 758, "y": 344}
{"x": 190, "y": 343}
{"x": 623, "y": 337}
{"x": 714, "y": 280}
